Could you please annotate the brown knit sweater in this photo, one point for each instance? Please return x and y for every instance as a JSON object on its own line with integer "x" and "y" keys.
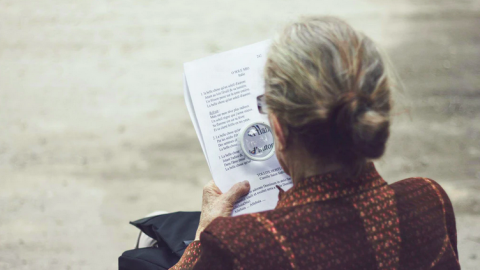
{"x": 332, "y": 222}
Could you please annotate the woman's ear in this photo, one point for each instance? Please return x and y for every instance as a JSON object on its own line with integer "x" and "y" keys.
{"x": 280, "y": 137}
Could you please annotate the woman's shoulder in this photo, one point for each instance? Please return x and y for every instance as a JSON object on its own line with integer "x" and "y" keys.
{"x": 420, "y": 193}
{"x": 414, "y": 181}
{"x": 418, "y": 185}
{"x": 424, "y": 208}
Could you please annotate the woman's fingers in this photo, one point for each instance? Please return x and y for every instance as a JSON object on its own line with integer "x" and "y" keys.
{"x": 237, "y": 191}
{"x": 215, "y": 204}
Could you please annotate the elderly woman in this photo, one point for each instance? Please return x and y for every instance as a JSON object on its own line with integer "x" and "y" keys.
{"x": 328, "y": 100}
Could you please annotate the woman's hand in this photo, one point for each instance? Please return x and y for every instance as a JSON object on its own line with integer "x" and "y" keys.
{"x": 217, "y": 204}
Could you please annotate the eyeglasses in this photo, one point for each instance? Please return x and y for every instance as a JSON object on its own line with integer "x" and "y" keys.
{"x": 262, "y": 104}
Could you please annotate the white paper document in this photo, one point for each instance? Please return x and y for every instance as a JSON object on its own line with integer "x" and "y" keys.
{"x": 221, "y": 96}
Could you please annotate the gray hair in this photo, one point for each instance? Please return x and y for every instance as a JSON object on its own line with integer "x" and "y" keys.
{"x": 328, "y": 85}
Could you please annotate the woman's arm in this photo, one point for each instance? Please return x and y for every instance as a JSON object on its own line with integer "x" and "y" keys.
{"x": 206, "y": 252}
{"x": 209, "y": 254}
{"x": 449, "y": 215}
{"x": 190, "y": 257}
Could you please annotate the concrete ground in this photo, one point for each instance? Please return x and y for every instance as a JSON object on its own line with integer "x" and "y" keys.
{"x": 94, "y": 131}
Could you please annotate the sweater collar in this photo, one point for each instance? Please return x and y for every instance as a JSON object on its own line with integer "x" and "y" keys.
{"x": 330, "y": 186}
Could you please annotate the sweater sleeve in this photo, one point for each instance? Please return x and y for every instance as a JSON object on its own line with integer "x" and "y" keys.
{"x": 208, "y": 253}
{"x": 190, "y": 257}
{"x": 215, "y": 255}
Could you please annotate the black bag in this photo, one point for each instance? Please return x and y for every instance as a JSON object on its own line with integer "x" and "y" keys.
{"x": 173, "y": 232}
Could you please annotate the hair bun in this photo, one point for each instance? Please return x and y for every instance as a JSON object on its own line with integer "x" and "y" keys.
{"x": 330, "y": 89}
{"x": 357, "y": 127}
{"x": 371, "y": 134}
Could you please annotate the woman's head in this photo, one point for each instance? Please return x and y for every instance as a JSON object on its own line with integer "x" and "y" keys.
{"x": 328, "y": 87}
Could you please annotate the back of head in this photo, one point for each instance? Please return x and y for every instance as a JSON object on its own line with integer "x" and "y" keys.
{"x": 328, "y": 85}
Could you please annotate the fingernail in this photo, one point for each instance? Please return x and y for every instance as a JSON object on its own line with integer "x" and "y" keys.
{"x": 246, "y": 183}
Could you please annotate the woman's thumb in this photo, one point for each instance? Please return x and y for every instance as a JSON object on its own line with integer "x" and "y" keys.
{"x": 237, "y": 191}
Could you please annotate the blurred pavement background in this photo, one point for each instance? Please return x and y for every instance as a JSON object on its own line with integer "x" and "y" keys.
{"x": 94, "y": 131}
